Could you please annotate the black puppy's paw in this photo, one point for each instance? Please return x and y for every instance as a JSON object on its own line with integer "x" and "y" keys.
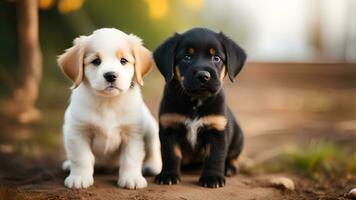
{"x": 230, "y": 169}
{"x": 167, "y": 179}
{"x": 212, "y": 181}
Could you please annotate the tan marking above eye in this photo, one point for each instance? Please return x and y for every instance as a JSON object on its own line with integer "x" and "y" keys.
{"x": 120, "y": 54}
{"x": 191, "y": 50}
{"x": 88, "y": 59}
{"x": 212, "y": 51}
{"x": 172, "y": 119}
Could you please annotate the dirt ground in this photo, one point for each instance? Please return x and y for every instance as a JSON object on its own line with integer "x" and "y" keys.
{"x": 279, "y": 106}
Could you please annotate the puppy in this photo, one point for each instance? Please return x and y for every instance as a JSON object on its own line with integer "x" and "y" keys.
{"x": 107, "y": 121}
{"x": 196, "y": 125}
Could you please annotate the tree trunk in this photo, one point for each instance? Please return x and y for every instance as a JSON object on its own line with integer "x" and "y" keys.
{"x": 22, "y": 103}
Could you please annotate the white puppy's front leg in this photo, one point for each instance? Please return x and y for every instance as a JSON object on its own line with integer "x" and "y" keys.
{"x": 81, "y": 160}
{"x": 153, "y": 162}
{"x": 131, "y": 158}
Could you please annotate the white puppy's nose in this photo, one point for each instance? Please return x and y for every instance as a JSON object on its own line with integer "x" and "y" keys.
{"x": 110, "y": 77}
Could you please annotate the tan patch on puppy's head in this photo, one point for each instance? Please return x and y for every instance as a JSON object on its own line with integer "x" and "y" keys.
{"x": 191, "y": 50}
{"x": 124, "y": 54}
{"x": 212, "y": 51}
{"x": 143, "y": 58}
{"x": 119, "y": 54}
{"x": 71, "y": 61}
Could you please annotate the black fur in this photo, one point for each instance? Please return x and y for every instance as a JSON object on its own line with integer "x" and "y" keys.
{"x": 187, "y": 93}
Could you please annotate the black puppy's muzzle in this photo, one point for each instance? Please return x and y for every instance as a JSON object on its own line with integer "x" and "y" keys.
{"x": 203, "y": 76}
{"x": 201, "y": 82}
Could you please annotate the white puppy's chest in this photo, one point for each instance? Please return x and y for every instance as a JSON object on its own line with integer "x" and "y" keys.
{"x": 109, "y": 132}
{"x": 106, "y": 121}
{"x": 104, "y": 143}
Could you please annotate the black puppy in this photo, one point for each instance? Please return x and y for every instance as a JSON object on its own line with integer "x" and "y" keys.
{"x": 196, "y": 125}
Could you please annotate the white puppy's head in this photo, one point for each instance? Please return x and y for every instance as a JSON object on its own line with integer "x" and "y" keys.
{"x": 108, "y": 61}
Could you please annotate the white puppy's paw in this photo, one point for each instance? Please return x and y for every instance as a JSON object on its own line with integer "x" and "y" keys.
{"x": 132, "y": 182}
{"x": 66, "y": 165}
{"x": 77, "y": 181}
{"x": 152, "y": 167}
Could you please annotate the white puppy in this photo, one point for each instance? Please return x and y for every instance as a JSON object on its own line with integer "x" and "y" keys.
{"x": 107, "y": 120}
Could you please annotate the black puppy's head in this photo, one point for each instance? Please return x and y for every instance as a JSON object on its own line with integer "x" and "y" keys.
{"x": 199, "y": 59}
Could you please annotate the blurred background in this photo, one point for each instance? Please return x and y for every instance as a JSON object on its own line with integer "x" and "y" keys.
{"x": 295, "y": 98}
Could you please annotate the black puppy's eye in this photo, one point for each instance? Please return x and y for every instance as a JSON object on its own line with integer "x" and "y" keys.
{"x": 187, "y": 59}
{"x": 123, "y": 61}
{"x": 96, "y": 62}
{"x": 216, "y": 59}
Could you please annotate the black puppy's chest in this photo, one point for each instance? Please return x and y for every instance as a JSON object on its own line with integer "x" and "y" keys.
{"x": 195, "y": 126}
{"x": 194, "y": 120}
{"x": 193, "y": 137}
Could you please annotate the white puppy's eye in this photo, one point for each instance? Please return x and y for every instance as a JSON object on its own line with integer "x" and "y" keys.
{"x": 123, "y": 61}
{"x": 96, "y": 62}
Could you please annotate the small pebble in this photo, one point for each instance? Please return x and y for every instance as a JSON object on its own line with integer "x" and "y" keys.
{"x": 352, "y": 194}
{"x": 282, "y": 183}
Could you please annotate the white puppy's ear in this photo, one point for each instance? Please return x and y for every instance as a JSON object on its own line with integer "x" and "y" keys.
{"x": 71, "y": 61}
{"x": 143, "y": 58}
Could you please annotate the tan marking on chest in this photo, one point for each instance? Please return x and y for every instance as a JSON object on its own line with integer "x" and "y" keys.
{"x": 172, "y": 119}
{"x": 217, "y": 122}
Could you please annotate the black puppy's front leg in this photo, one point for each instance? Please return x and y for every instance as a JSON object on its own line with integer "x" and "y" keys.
{"x": 213, "y": 170}
{"x": 171, "y": 158}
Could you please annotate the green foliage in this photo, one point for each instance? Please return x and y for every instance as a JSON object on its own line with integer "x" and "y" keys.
{"x": 317, "y": 161}
{"x": 351, "y": 166}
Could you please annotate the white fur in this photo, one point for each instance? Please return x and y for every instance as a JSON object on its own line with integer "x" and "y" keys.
{"x": 193, "y": 126}
{"x": 111, "y": 126}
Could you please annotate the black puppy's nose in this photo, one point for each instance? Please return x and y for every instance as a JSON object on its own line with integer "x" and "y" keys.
{"x": 203, "y": 76}
{"x": 110, "y": 77}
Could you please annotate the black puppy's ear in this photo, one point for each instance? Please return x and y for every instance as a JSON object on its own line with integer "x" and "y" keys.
{"x": 236, "y": 56}
{"x": 164, "y": 56}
